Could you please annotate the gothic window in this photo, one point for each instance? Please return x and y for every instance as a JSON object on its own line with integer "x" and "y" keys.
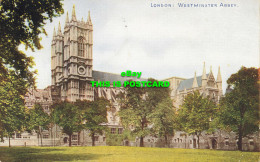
{"x": 81, "y": 47}
{"x": 113, "y": 130}
{"x": 45, "y": 136}
{"x": 120, "y": 130}
{"x": 251, "y": 143}
{"x": 227, "y": 143}
{"x": 74, "y": 137}
{"x": 18, "y": 135}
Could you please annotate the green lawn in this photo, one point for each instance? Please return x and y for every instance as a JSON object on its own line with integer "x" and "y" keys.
{"x": 120, "y": 153}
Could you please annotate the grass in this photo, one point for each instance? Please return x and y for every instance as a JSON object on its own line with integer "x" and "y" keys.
{"x": 120, "y": 153}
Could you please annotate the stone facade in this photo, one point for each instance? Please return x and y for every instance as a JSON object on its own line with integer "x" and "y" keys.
{"x": 206, "y": 84}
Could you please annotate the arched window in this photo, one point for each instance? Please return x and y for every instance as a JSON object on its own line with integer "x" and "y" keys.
{"x": 81, "y": 47}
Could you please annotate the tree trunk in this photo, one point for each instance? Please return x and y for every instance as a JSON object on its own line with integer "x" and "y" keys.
{"x": 198, "y": 141}
{"x": 9, "y": 141}
{"x": 185, "y": 141}
{"x": 93, "y": 139}
{"x": 70, "y": 135}
{"x": 165, "y": 138}
{"x": 240, "y": 132}
{"x": 141, "y": 141}
{"x": 78, "y": 138}
{"x": 142, "y": 138}
{"x": 40, "y": 130}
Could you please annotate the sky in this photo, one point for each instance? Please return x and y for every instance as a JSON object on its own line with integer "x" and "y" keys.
{"x": 162, "y": 42}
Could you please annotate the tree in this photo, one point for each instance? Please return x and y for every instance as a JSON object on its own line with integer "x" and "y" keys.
{"x": 137, "y": 105}
{"x": 133, "y": 112}
{"x": 21, "y": 22}
{"x": 38, "y": 120}
{"x": 12, "y": 109}
{"x": 163, "y": 119}
{"x": 239, "y": 108}
{"x": 68, "y": 116}
{"x": 195, "y": 113}
{"x": 94, "y": 114}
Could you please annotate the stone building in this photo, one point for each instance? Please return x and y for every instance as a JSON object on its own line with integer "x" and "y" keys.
{"x": 206, "y": 84}
{"x": 71, "y": 73}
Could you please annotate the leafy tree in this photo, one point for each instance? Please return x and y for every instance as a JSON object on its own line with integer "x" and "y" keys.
{"x": 162, "y": 112}
{"x": 195, "y": 113}
{"x": 22, "y": 22}
{"x": 68, "y": 116}
{"x": 137, "y": 106}
{"x": 163, "y": 119}
{"x": 239, "y": 108}
{"x": 12, "y": 109}
{"x": 133, "y": 111}
{"x": 94, "y": 114}
{"x": 38, "y": 120}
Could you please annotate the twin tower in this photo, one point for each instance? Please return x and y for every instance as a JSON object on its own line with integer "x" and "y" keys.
{"x": 72, "y": 60}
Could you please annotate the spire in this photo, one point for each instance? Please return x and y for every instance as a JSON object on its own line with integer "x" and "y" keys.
{"x": 59, "y": 30}
{"x": 73, "y": 17}
{"x": 54, "y": 33}
{"x": 195, "y": 83}
{"x": 219, "y": 79}
{"x": 210, "y": 68}
{"x": 204, "y": 72}
{"x": 82, "y": 20}
{"x": 67, "y": 17}
{"x": 89, "y": 19}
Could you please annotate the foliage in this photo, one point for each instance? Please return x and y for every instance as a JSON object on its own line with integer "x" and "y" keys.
{"x": 134, "y": 112}
{"x": 120, "y": 153}
{"x": 22, "y": 22}
{"x": 239, "y": 108}
{"x": 118, "y": 139}
{"x": 137, "y": 107}
{"x": 94, "y": 115}
{"x": 114, "y": 139}
{"x": 163, "y": 119}
{"x": 195, "y": 113}
{"x": 68, "y": 116}
{"x": 12, "y": 109}
{"x": 38, "y": 119}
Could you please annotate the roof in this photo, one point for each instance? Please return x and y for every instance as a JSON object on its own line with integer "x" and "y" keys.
{"x": 188, "y": 83}
{"x": 105, "y": 76}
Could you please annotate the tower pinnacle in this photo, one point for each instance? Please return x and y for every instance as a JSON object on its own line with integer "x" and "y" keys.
{"x": 195, "y": 82}
{"x": 54, "y": 33}
{"x": 73, "y": 16}
{"x": 204, "y": 72}
{"x": 67, "y": 18}
{"x": 89, "y": 19}
{"x": 59, "y": 30}
{"x": 219, "y": 78}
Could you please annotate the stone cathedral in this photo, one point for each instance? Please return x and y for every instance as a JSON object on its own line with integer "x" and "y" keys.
{"x": 71, "y": 73}
{"x": 72, "y": 59}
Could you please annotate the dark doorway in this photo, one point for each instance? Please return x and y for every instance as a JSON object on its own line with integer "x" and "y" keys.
{"x": 126, "y": 143}
{"x": 65, "y": 139}
{"x": 194, "y": 143}
{"x": 214, "y": 143}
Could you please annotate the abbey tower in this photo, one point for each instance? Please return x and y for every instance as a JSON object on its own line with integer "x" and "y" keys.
{"x": 72, "y": 60}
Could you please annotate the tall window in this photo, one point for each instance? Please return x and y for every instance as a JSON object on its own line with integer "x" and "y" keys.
{"x": 81, "y": 47}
